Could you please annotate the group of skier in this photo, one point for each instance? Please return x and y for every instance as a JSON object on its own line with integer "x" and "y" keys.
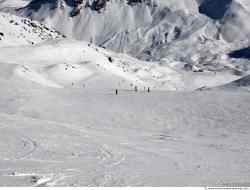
{"x": 136, "y": 89}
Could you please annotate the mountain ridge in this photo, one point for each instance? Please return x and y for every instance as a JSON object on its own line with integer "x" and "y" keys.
{"x": 136, "y": 27}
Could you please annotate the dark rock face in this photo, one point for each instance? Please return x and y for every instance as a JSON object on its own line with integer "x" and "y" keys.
{"x": 242, "y": 53}
{"x": 37, "y": 4}
{"x": 101, "y": 5}
{"x": 77, "y": 8}
{"x": 136, "y": 1}
{"x": 98, "y": 5}
{"x": 132, "y": 2}
{"x": 78, "y": 2}
{"x": 214, "y": 9}
{"x": 75, "y": 12}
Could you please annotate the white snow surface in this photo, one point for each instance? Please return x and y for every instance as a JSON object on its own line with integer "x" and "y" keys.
{"x": 91, "y": 137}
{"x": 13, "y": 3}
{"x": 64, "y": 63}
{"x": 61, "y": 123}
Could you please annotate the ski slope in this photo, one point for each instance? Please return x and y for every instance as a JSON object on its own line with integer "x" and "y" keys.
{"x": 61, "y": 123}
{"x": 91, "y": 137}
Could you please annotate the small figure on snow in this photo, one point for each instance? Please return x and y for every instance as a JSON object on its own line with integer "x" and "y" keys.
{"x": 148, "y": 89}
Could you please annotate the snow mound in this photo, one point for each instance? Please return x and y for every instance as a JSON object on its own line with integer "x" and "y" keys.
{"x": 70, "y": 73}
{"x": 29, "y": 74}
{"x": 70, "y": 63}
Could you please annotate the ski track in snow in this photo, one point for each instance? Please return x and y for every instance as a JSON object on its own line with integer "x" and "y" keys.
{"x": 90, "y": 137}
{"x": 57, "y": 134}
{"x": 77, "y": 136}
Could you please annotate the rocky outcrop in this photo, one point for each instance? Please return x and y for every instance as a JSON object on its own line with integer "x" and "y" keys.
{"x": 78, "y": 4}
{"x": 135, "y": 1}
{"x": 213, "y": 8}
{"x": 98, "y": 5}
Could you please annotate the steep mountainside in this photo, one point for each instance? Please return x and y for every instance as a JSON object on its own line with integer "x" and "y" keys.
{"x": 186, "y": 35}
{"x": 138, "y": 26}
{"x": 61, "y": 63}
{"x": 20, "y": 31}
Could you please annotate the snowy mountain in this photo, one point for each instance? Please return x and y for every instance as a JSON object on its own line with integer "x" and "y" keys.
{"x": 69, "y": 63}
{"x": 63, "y": 63}
{"x": 200, "y": 34}
{"x": 20, "y": 31}
{"x": 124, "y": 93}
{"x": 185, "y": 35}
{"x": 139, "y": 27}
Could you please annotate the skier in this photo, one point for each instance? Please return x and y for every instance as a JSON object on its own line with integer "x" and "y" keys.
{"x": 148, "y": 89}
{"x": 116, "y": 91}
{"x": 136, "y": 88}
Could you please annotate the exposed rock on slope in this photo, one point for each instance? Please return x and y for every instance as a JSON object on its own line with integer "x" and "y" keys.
{"x": 19, "y": 31}
{"x": 213, "y": 8}
{"x": 243, "y": 53}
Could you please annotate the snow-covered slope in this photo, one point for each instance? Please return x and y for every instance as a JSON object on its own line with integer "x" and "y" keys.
{"x": 62, "y": 124}
{"x": 13, "y": 4}
{"x": 91, "y": 137}
{"x": 235, "y": 22}
{"x": 63, "y": 63}
{"x": 242, "y": 82}
{"x": 119, "y": 22}
{"x": 20, "y": 31}
{"x": 143, "y": 28}
{"x": 185, "y": 37}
